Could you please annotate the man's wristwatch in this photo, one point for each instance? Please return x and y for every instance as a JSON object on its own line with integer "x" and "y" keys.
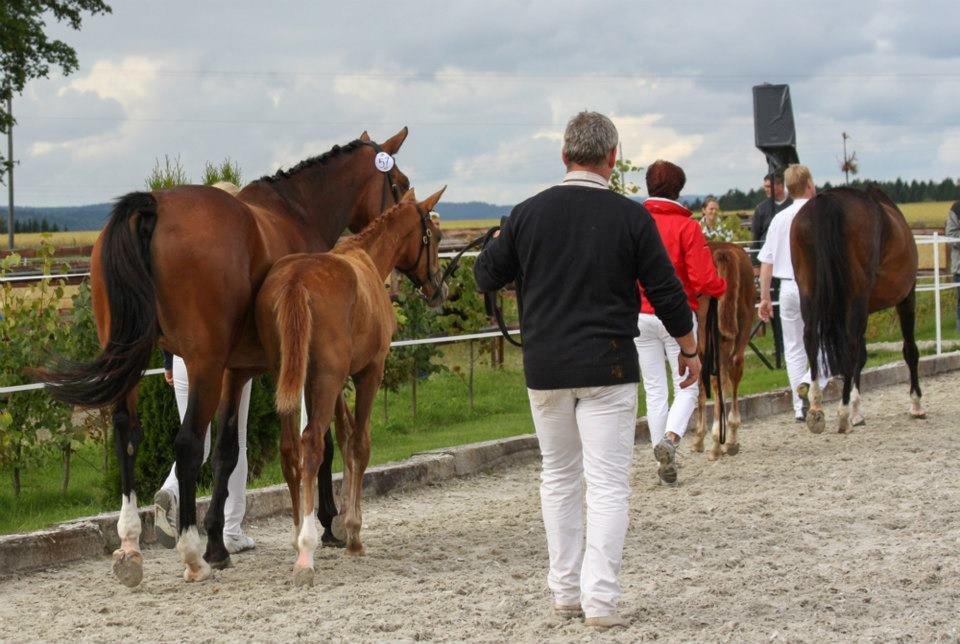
{"x": 688, "y": 355}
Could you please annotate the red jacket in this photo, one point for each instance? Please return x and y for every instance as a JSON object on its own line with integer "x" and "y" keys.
{"x": 688, "y": 250}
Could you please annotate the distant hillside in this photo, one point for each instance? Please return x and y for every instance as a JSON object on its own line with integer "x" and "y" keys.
{"x": 92, "y": 217}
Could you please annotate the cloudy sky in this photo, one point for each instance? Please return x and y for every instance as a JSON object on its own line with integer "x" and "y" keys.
{"x": 486, "y": 88}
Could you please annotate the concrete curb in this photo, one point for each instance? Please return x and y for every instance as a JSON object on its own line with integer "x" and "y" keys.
{"x": 97, "y": 535}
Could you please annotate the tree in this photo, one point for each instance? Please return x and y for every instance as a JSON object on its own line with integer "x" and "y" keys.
{"x": 26, "y": 52}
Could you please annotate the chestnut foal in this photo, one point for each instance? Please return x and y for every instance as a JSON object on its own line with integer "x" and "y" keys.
{"x": 323, "y": 317}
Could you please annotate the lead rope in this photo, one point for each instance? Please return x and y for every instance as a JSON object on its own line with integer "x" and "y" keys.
{"x": 711, "y": 363}
{"x": 489, "y": 298}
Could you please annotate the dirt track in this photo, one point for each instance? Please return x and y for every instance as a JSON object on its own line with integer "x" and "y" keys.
{"x": 800, "y": 537}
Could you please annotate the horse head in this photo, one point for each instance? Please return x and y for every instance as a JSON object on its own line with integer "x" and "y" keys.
{"x": 419, "y": 256}
{"x": 386, "y": 182}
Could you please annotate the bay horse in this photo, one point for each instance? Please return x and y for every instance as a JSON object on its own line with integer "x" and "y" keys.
{"x": 853, "y": 253}
{"x": 324, "y": 317}
{"x": 181, "y": 268}
{"x": 735, "y": 317}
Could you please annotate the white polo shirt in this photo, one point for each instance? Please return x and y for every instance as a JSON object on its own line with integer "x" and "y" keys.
{"x": 776, "y": 246}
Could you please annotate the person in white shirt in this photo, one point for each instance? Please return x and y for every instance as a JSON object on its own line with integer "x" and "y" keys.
{"x": 775, "y": 261}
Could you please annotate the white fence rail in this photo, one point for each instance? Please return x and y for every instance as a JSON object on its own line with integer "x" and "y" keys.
{"x": 935, "y": 240}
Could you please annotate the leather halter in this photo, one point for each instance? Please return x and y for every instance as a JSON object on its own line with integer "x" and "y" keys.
{"x": 435, "y": 279}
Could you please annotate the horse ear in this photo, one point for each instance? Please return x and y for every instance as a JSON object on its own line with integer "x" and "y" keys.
{"x": 409, "y": 196}
{"x": 365, "y": 137}
{"x": 430, "y": 202}
{"x": 392, "y": 145}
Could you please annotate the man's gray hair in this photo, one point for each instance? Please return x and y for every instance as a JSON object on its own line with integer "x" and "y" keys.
{"x": 588, "y": 139}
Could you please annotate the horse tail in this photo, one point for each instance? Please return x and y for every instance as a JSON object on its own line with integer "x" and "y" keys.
{"x": 728, "y": 268}
{"x": 294, "y": 322}
{"x": 830, "y": 289}
{"x": 131, "y": 298}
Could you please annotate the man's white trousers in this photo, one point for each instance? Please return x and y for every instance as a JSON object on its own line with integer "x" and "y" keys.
{"x": 585, "y": 432}
{"x": 794, "y": 352}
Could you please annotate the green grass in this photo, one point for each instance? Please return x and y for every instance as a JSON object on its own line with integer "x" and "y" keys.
{"x": 444, "y": 419}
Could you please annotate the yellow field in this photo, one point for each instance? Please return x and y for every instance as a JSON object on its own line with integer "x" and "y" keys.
{"x": 928, "y": 214}
{"x": 61, "y": 239}
{"x": 919, "y": 215}
{"x": 458, "y": 224}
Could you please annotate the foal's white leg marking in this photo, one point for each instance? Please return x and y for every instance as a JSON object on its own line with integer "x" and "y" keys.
{"x": 127, "y": 560}
{"x": 189, "y": 548}
{"x": 303, "y": 569}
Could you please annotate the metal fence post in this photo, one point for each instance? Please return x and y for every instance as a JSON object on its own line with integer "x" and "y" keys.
{"x": 936, "y": 290}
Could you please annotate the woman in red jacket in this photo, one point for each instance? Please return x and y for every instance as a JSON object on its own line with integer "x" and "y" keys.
{"x": 687, "y": 248}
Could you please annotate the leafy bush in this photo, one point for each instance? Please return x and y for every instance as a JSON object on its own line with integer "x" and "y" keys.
{"x": 31, "y": 426}
{"x": 227, "y": 170}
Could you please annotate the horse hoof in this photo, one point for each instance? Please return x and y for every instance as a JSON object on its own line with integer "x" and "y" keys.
{"x": 338, "y": 529}
{"x": 922, "y": 415}
{"x": 221, "y": 564}
{"x": 731, "y": 449}
{"x": 815, "y": 421}
{"x": 128, "y": 568}
{"x": 329, "y": 540}
{"x": 713, "y": 455}
{"x": 355, "y": 549}
{"x": 303, "y": 577}
{"x": 201, "y": 573}
{"x": 696, "y": 447}
{"x": 860, "y": 422}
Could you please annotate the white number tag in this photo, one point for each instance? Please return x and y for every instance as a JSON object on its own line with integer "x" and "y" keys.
{"x": 383, "y": 161}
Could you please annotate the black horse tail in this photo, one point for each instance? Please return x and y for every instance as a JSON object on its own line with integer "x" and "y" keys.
{"x": 125, "y": 260}
{"x": 825, "y": 326}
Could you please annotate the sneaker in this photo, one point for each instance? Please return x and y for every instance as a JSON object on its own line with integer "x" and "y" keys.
{"x": 238, "y": 543}
{"x": 666, "y": 454}
{"x": 165, "y": 514}
{"x": 604, "y": 622}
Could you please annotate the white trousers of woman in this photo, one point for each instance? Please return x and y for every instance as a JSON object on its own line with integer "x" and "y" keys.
{"x": 585, "y": 432}
{"x": 236, "y": 503}
{"x": 654, "y": 347}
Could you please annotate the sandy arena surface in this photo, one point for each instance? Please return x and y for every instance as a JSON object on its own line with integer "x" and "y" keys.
{"x": 799, "y": 537}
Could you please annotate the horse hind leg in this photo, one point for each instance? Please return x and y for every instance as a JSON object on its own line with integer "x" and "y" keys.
{"x": 290, "y": 464}
{"x": 367, "y": 382}
{"x": 226, "y": 455}
{"x": 204, "y": 393}
{"x": 127, "y": 559}
{"x": 732, "y": 446}
{"x": 906, "y": 311}
{"x": 856, "y": 416}
{"x": 843, "y": 410}
{"x": 701, "y": 421}
{"x": 816, "y": 422}
{"x": 321, "y": 395}
{"x": 334, "y": 534}
{"x": 715, "y": 453}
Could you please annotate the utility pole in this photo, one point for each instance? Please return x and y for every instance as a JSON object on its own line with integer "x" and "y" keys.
{"x": 10, "y": 173}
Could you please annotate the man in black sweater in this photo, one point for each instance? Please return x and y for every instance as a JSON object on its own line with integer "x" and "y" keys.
{"x": 577, "y": 250}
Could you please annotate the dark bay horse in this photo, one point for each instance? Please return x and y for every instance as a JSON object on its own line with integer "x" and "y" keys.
{"x": 325, "y": 317}
{"x": 735, "y": 317}
{"x": 853, "y": 253}
{"x": 181, "y": 268}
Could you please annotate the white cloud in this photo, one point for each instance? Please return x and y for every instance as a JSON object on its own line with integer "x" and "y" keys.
{"x": 130, "y": 82}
